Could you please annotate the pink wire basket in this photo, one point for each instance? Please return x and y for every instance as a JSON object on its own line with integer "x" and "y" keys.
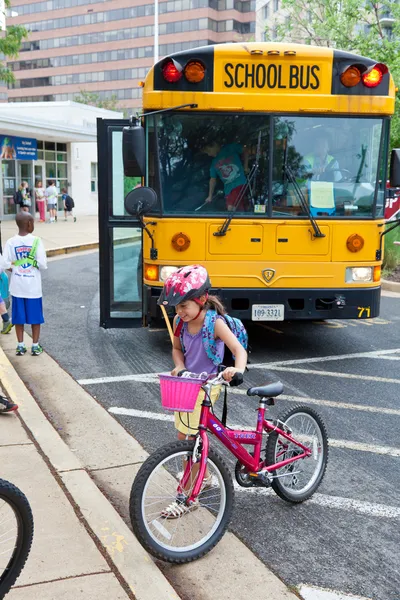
{"x": 178, "y": 393}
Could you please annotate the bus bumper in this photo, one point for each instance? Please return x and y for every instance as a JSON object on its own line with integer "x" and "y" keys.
{"x": 298, "y": 304}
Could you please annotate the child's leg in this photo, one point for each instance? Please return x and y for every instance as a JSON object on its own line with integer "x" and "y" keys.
{"x": 19, "y": 330}
{"x": 35, "y": 333}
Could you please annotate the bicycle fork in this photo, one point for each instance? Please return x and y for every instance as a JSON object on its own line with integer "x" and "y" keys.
{"x": 201, "y": 439}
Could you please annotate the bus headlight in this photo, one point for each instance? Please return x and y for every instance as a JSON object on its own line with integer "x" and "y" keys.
{"x": 165, "y": 272}
{"x": 359, "y": 274}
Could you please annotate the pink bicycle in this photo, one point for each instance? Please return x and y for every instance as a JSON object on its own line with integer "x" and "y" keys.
{"x": 193, "y": 479}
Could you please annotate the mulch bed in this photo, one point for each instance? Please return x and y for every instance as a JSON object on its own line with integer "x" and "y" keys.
{"x": 395, "y": 275}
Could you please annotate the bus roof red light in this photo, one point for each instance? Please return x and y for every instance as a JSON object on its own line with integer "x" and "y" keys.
{"x": 171, "y": 73}
{"x": 374, "y": 76}
{"x": 350, "y": 77}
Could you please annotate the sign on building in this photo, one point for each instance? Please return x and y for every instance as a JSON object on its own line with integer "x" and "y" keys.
{"x": 15, "y": 147}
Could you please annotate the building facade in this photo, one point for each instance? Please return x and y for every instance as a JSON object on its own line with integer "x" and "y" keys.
{"x": 106, "y": 46}
{"x": 43, "y": 142}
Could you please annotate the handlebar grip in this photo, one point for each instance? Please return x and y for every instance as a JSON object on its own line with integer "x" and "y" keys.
{"x": 236, "y": 380}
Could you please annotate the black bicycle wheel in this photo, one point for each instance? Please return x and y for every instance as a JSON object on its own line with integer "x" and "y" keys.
{"x": 299, "y": 480}
{"x": 190, "y": 535}
{"x": 16, "y": 534}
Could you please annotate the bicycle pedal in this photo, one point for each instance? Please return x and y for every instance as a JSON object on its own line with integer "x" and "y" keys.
{"x": 260, "y": 479}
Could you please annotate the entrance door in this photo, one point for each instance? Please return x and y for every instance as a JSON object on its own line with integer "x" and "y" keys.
{"x": 25, "y": 173}
{"x": 39, "y": 173}
{"x": 120, "y": 234}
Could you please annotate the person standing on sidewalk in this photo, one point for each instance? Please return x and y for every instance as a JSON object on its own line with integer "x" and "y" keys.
{"x": 68, "y": 204}
{"x": 40, "y": 201}
{"x": 52, "y": 197}
{"x": 26, "y": 255}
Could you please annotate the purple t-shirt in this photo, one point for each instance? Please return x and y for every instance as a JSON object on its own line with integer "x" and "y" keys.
{"x": 196, "y": 359}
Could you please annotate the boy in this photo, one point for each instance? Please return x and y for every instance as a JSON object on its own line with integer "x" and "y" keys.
{"x": 26, "y": 254}
{"x": 227, "y": 165}
{"x": 68, "y": 204}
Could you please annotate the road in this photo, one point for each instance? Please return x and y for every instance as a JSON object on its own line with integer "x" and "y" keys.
{"x": 347, "y": 537}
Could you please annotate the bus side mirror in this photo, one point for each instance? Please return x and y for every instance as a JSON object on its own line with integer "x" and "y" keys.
{"x": 395, "y": 168}
{"x": 134, "y": 151}
{"x": 141, "y": 201}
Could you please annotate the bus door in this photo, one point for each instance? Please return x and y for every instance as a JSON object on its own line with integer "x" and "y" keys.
{"x": 120, "y": 234}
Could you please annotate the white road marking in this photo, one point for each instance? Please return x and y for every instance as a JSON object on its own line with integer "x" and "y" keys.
{"x": 335, "y": 374}
{"x": 309, "y": 592}
{"x": 141, "y": 377}
{"x": 343, "y": 444}
{"x": 338, "y": 502}
{"x": 298, "y": 361}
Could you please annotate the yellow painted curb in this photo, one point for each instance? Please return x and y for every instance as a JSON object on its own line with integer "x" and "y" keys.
{"x": 71, "y": 249}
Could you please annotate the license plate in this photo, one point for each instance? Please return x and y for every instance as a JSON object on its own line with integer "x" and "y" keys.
{"x": 268, "y": 312}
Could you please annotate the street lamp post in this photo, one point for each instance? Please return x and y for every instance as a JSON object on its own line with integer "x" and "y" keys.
{"x": 155, "y": 31}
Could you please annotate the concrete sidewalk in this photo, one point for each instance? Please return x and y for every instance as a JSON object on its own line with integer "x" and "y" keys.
{"x": 61, "y": 234}
{"x": 81, "y": 547}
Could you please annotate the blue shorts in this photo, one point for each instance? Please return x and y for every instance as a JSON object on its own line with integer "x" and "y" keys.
{"x": 27, "y": 311}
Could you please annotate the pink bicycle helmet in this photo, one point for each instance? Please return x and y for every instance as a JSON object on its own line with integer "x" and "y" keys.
{"x": 188, "y": 283}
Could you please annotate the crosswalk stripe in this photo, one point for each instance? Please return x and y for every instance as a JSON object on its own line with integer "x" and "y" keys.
{"x": 310, "y": 592}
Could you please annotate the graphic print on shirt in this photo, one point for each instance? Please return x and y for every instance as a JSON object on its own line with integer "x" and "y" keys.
{"x": 227, "y": 169}
{"x": 23, "y": 252}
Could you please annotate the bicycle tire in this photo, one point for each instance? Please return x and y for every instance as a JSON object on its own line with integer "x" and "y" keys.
{"x": 139, "y": 488}
{"x": 278, "y": 485}
{"x": 18, "y": 502}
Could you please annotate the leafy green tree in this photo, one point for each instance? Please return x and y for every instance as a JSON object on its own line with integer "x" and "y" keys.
{"x": 10, "y": 43}
{"x": 94, "y": 99}
{"x": 353, "y": 25}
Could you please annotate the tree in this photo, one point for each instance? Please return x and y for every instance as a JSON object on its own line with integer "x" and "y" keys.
{"x": 10, "y": 43}
{"x": 353, "y": 25}
{"x": 94, "y": 99}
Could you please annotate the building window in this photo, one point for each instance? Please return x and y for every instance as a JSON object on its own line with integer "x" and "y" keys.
{"x": 276, "y": 5}
{"x": 266, "y": 11}
{"x": 93, "y": 177}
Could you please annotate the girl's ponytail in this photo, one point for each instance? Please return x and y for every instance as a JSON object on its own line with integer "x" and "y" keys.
{"x": 214, "y": 303}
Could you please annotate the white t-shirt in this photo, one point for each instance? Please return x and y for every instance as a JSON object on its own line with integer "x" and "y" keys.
{"x": 51, "y": 194}
{"x": 26, "y": 280}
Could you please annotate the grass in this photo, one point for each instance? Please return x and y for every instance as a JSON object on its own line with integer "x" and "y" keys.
{"x": 392, "y": 252}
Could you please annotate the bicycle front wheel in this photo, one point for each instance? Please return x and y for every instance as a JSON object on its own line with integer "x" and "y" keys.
{"x": 162, "y": 522}
{"x": 298, "y": 480}
{"x": 16, "y": 534}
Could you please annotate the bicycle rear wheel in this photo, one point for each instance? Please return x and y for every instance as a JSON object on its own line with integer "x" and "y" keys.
{"x": 16, "y": 534}
{"x": 299, "y": 480}
{"x": 194, "y": 532}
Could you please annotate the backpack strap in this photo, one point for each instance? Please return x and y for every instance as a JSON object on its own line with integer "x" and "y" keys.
{"x": 179, "y": 332}
{"x": 208, "y": 336}
{"x": 30, "y": 259}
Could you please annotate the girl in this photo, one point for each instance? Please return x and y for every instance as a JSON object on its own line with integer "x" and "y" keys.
{"x": 187, "y": 290}
{"x": 40, "y": 201}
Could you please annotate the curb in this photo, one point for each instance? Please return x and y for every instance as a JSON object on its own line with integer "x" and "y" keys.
{"x": 71, "y": 249}
{"x": 133, "y": 563}
{"x": 390, "y": 286}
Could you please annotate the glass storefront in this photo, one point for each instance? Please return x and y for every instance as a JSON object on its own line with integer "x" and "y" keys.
{"x": 51, "y": 164}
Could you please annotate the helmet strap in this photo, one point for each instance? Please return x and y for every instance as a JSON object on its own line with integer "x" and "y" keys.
{"x": 201, "y": 304}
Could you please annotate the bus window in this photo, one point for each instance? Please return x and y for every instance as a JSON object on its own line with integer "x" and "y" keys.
{"x": 206, "y": 163}
{"x": 332, "y": 164}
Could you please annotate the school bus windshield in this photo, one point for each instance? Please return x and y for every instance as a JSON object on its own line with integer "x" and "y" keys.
{"x": 263, "y": 165}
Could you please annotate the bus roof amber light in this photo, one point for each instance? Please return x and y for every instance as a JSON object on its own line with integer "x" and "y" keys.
{"x": 151, "y": 272}
{"x": 374, "y": 76}
{"x": 180, "y": 242}
{"x": 350, "y": 77}
{"x": 355, "y": 242}
{"x": 171, "y": 73}
{"x": 195, "y": 71}
{"x": 377, "y": 273}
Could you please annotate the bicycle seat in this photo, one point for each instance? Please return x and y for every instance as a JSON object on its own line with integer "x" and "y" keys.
{"x": 272, "y": 390}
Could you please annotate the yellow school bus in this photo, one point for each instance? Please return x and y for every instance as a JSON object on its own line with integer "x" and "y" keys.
{"x": 268, "y": 162}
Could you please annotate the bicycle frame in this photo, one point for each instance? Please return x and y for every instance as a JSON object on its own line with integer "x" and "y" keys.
{"x": 234, "y": 440}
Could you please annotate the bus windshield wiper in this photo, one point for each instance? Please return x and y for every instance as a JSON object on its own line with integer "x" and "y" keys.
{"x": 304, "y": 204}
{"x": 250, "y": 178}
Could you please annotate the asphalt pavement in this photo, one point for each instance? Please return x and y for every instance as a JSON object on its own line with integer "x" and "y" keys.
{"x": 346, "y": 537}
